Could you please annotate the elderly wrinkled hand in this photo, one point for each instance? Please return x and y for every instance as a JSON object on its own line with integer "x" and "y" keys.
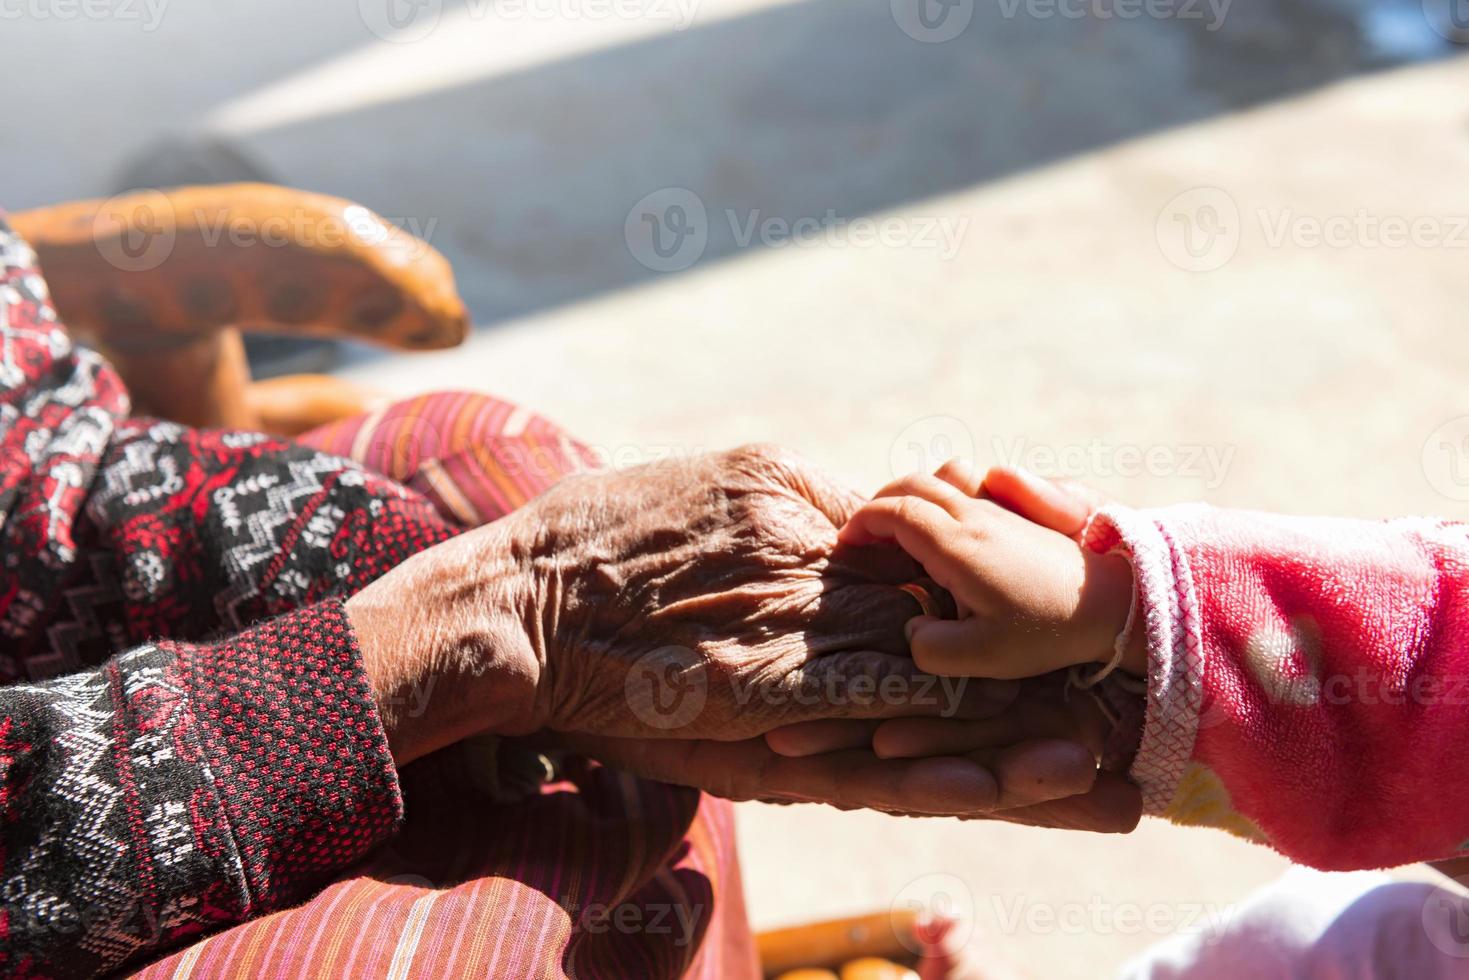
{"x": 662, "y": 618}
{"x": 700, "y": 598}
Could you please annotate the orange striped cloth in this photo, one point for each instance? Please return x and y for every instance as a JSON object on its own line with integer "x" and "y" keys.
{"x": 596, "y": 875}
{"x": 477, "y": 458}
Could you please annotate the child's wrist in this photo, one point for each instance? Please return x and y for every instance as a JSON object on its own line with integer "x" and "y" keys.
{"x": 1113, "y": 623}
{"x": 1135, "y": 651}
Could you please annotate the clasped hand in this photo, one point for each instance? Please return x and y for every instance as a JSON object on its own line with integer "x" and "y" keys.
{"x": 733, "y": 622}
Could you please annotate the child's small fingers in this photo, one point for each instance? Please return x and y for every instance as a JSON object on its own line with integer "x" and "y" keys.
{"x": 1039, "y": 500}
{"x": 930, "y": 488}
{"x": 962, "y": 476}
{"x": 954, "y": 647}
{"x": 920, "y": 527}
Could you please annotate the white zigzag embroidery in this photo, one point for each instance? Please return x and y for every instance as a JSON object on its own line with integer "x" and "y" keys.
{"x": 262, "y": 529}
{"x": 103, "y": 901}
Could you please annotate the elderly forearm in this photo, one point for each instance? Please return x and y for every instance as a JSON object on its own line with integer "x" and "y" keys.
{"x": 446, "y": 647}
{"x": 180, "y": 787}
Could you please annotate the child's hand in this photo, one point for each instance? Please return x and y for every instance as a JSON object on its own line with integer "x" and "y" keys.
{"x": 1031, "y": 599}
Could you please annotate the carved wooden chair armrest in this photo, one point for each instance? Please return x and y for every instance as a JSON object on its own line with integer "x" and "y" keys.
{"x": 162, "y": 282}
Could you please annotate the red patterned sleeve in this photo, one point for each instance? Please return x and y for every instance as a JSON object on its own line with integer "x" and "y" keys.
{"x": 1308, "y": 679}
{"x": 182, "y": 786}
{"x": 59, "y": 405}
{"x": 189, "y": 782}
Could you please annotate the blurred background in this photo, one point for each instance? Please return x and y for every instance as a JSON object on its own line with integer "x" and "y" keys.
{"x": 1180, "y": 249}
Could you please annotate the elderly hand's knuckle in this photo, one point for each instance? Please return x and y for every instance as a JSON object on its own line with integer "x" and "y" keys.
{"x": 757, "y": 453}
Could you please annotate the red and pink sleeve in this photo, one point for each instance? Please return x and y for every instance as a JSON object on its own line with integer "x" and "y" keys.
{"x": 1308, "y": 679}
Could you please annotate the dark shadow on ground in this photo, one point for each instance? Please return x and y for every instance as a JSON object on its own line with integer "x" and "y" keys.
{"x": 819, "y": 110}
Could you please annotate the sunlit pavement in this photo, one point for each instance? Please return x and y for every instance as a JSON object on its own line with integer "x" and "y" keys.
{"x": 1293, "y": 352}
{"x": 1000, "y": 245}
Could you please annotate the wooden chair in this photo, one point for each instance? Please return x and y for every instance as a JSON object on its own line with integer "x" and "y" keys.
{"x": 162, "y": 282}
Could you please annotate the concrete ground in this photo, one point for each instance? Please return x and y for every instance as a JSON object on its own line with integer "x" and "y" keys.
{"x": 1274, "y": 373}
{"x": 1071, "y": 244}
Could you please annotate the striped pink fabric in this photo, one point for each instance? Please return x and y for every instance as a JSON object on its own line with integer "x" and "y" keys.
{"x": 475, "y": 457}
{"x": 596, "y": 875}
